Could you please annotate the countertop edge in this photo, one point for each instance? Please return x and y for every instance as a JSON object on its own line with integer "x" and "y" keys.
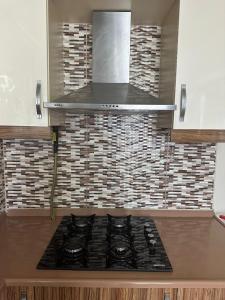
{"x": 173, "y": 213}
{"x": 108, "y": 283}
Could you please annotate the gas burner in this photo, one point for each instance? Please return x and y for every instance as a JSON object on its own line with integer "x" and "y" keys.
{"x": 121, "y": 250}
{"x": 82, "y": 222}
{"x": 81, "y": 225}
{"x": 74, "y": 247}
{"x": 119, "y": 222}
{"x": 73, "y": 252}
{"x": 120, "y": 242}
{"x": 121, "y": 253}
{"x": 121, "y": 256}
{"x": 119, "y": 225}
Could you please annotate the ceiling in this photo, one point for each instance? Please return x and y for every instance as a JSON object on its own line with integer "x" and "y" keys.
{"x": 143, "y": 11}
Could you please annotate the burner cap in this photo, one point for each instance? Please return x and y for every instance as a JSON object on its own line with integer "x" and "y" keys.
{"x": 81, "y": 224}
{"x": 121, "y": 254}
{"x": 121, "y": 250}
{"x": 82, "y": 221}
{"x": 119, "y": 225}
{"x": 73, "y": 246}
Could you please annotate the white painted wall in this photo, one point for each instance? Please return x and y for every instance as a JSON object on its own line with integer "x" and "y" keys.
{"x": 219, "y": 189}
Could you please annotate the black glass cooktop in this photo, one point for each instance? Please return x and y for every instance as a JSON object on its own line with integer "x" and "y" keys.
{"x": 106, "y": 243}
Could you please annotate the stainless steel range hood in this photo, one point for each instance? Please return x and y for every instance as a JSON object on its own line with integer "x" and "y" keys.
{"x": 110, "y": 88}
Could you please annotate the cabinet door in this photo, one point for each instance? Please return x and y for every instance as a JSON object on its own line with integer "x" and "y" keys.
{"x": 19, "y": 293}
{"x": 201, "y": 64}
{"x": 23, "y": 61}
{"x": 66, "y": 293}
{"x": 200, "y": 294}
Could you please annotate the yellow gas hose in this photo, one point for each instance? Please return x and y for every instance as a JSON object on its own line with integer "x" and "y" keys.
{"x": 55, "y": 172}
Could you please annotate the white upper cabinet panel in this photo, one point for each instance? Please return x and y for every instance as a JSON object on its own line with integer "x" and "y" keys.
{"x": 201, "y": 64}
{"x": 23, "y": 61}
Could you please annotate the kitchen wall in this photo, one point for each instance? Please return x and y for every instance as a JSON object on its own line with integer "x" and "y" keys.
{"x": 108, "y": 160}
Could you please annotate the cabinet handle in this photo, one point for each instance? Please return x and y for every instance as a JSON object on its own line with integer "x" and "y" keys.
{"x": 183, "y": 102}
{"x": 23, "y": 296}
{"x": 38, "y": 100}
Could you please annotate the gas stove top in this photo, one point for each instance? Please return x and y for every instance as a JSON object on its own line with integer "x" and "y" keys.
{"x": 106, "y": 243}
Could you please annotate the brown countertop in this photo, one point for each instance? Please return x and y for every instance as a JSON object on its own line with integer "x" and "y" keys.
{"x": 195, "y": 246}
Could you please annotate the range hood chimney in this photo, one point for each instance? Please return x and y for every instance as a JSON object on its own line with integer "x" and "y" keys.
{"x": 110, "y": 88}
{"x": 111, "y": 47}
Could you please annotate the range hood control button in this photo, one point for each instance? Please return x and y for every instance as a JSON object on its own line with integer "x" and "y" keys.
{"x": 110, "y": 106}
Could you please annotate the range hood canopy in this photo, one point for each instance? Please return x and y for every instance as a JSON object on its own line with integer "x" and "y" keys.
{"x": 110, "y": 88}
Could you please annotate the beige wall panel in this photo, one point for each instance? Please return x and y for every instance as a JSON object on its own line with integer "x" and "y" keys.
{"x": 143, "y": 11}
{"x": 169, "y": 54}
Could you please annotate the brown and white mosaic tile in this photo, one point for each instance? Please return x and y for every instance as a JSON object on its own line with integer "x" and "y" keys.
{"x": 111, "y": 161}
{"x": 108, "y": 160}
{"x": 28, "y": 172}
{"x": 111, "y": 156}
{"x": 77, "y": 41}
{"x": 190, "y": 176}
{"x": 144, "y": 60}
{"x": 145, "y": 57}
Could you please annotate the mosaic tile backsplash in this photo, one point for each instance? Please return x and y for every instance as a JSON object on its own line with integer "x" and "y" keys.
{"x": 108, "y": 160}
{"x": 144, "y": 60}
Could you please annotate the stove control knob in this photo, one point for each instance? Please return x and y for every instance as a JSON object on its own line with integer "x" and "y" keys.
{"x": 150, "y": 236}
{"x": 147, "y": 225}
{"x": 152, "y": 246}
{"x": 152, "y": 243}
{"x": 148, "y": 230}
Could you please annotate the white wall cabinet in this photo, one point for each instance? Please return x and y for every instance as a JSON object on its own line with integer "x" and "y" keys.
{"x": 201, "y": 64}
{"x": 195, "y": 53}
{"x": 23, "y": 61}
